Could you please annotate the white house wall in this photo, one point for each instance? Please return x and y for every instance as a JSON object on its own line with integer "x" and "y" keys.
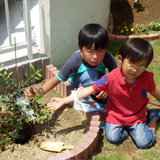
{"x": 61, "y": 21}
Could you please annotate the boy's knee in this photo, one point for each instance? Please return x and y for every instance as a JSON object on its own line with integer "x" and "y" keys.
{"x": 112, "y": 139}
{"x": 143, "y": 136}
{"x": 145, "y": 143}
{"x": 116, "y": 137}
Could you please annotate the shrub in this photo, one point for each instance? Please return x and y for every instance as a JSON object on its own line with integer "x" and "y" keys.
{"x": 151, "y": 27}
{"x": 17, "y": 109}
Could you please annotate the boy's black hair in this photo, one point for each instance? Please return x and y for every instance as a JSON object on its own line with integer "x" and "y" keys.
{"x": 93, "y": 34}
{"x": 137, "y": 49}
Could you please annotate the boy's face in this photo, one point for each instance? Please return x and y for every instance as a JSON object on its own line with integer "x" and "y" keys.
{"x": 91, "y": 56}
{"x": 131, "y": 71}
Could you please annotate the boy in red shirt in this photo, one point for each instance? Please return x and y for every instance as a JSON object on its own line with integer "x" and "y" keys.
{"x": 127, "y": 87}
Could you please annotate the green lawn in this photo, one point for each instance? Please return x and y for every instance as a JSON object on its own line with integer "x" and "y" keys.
{"x": 127, "y": 150}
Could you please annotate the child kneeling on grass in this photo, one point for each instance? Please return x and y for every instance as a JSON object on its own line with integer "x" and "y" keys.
{"x": 85, "y": 66}
{"x": 127, "y": 87}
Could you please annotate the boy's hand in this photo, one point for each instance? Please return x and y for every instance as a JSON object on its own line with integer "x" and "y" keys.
{"x": 101, "y": 95}
{"x": 32, "y": 91}
{"x": 55, "y": 104}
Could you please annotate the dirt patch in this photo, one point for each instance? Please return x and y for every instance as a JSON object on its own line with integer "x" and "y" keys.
{"x": 67, "y": 125}
{"x": 124, "y": 14}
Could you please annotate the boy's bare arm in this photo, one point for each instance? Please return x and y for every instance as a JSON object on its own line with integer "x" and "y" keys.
{"x": 51, "y": 83}
{"x": 44, "y": 89}
{"x": 156, "y": 94}
{"x": 85, "y": 92}
{"x": 59, "y": 102}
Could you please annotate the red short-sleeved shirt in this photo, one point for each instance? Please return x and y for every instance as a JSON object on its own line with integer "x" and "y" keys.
{"x": 127, "y": 103}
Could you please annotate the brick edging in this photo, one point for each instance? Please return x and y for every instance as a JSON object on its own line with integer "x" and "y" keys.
{"x": 114, "y": 37}
{"x": 88, "y": 144}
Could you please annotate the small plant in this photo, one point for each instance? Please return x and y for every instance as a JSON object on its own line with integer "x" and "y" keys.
{"x": 15, "y": 109}
{"x": 126, "y": 30}
{"x": 16, "y": 113}
{"x": 151, "y": 27}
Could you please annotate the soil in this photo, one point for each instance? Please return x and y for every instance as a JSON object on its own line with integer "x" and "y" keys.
{"x": 124, "y": 14}
{"x": 62, "y": 127}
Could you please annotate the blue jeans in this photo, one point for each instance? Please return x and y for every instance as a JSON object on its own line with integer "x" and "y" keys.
{"x": 142, "y": 135}
{"x": 86, "y": 78}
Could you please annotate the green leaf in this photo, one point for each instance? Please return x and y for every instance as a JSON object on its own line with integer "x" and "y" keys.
{"x": 1, "y": 75}
{"x": 38, "y": 96}
{"x": 1, "y": 65}
{"x": 39, "y": 70}
{"x": 1, "y": 142}
{"x": 5, "y": 72}
{"x": 20, "y": 119}
{"x": 5, "y": 131}
{"x": 38, "y": 74}
{"x": 32, "y": 68}
{"x": 41, "y": 121}
{"x": 20, "y": 127}
{"x": 26, "y": 74}
{"x": 34, "y": 115}
{"x": 52, "y": 111}
{"x": 8, "y": 140}
{"x": 36, "y": 78}
{"x": 9, "y": 74}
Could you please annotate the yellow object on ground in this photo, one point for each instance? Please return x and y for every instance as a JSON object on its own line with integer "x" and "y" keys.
{"x": 54, "y": 146}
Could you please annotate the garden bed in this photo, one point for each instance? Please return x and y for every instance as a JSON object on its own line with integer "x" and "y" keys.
{"x": 67, "y": 125}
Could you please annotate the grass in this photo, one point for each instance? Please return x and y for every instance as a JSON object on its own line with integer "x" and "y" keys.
{"x": 128, "y": 150}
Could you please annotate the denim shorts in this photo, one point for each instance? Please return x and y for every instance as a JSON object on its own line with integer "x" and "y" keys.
{"x": 142, "y": 135}
{"x": 86, "y": 78}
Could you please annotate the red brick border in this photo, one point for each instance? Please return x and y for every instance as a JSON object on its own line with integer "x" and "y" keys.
{"x": 113, "y": 37}
{"x": 88, "y": 144}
